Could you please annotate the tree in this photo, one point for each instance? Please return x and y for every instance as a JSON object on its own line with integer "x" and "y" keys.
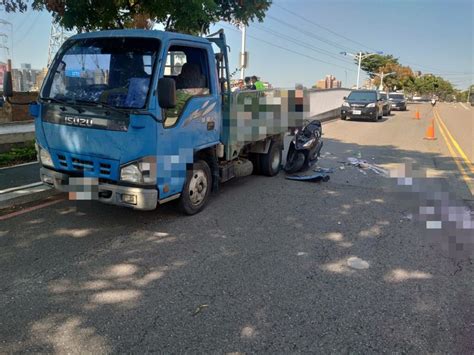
{"x": 187, "y": 16}
{"x": 402, "y": 77}
{"x": 373, "y": 63}
{"x": 434, "y": 85}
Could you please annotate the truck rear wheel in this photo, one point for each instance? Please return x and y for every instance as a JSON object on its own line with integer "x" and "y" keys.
{"x": 270, "y": 163}
{"x": 197, "y": 188}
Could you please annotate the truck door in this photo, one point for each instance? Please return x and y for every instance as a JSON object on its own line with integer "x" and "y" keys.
{"x": 195, "y": 121}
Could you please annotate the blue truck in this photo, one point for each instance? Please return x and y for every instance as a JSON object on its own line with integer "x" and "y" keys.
{"x": 138, "y": 118}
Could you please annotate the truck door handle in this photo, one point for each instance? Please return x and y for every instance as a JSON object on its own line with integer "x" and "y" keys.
{"x": 210, "y": 125}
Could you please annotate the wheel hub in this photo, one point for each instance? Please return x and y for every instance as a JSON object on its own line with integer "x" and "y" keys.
{"x": 198, "y": 187}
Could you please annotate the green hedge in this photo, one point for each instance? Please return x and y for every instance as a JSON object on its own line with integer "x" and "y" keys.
{"x": 19, "y": 155}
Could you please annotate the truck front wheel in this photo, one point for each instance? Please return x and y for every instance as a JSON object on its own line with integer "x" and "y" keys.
{"x": 270, "y": 163}
{"x": 197, "y": 188}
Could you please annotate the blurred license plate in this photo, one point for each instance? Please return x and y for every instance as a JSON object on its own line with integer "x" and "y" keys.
{"x": 356, "y": 112}
{"x": 393, "y": 105}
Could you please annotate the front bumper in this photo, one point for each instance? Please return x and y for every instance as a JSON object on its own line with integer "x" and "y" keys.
{"x": 398, "y": 106}
{"x": 353, "y": 112}
{"x": 139, "y": 198}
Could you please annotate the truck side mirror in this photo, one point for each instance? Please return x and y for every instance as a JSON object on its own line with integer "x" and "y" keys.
{"x": 34, "y": 109}
{"x": 166, "y": 93}
{"x": 344, "y": 98}
{"x": 7, "y": 84}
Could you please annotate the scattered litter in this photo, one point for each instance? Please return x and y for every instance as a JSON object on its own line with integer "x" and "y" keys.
{"x": 341, "y": 167}
{"x": 359, "y": 155}
{"x": 357, "y": 263}
{"x": 362, "y": 171}
{"x": 339, "y": 223}
{"x": 313, "y": 177}
{"x": 323, "y": 170}
{"x": 362, "y": 164}
{"x": 302, "y": 253}
{"x": 199, "y": 309}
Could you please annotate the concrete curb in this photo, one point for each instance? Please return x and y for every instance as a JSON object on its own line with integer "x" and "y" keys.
{"x": 25, "y": 194}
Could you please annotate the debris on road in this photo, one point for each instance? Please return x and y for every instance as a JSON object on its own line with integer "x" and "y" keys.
{"x": 199, "y": 309}
{"x": 312, "y": 177}
{"x": 362, "y": 164}
{"x": 323, "y": 170}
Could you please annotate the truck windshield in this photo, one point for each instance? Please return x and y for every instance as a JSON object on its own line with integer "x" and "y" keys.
{"x": 111, "y": 71}
{"x": 362, "y": 96}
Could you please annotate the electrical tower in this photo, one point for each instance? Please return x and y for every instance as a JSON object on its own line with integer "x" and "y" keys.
{"x": 56, "y": 38}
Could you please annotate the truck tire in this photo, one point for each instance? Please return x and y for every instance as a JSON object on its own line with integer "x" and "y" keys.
{"x": 270, "y": 163}
{"x": 255, "y": 159}
{"x": 197, "y": 188}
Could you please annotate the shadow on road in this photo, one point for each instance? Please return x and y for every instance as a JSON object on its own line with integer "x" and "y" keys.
{"x": 270, "y": 266}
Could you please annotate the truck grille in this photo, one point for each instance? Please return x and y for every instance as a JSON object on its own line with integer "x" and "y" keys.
{"x": 89, "y": 166}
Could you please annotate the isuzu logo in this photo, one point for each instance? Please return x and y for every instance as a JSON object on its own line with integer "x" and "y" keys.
{"x": 78, "y": 121}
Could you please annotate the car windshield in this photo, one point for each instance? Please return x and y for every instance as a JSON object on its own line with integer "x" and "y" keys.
{"x": 383, "y": 96}
{"x": 396, "y": 96}
{"x": 362, "y": 96}
{"x": 110, "y": 71}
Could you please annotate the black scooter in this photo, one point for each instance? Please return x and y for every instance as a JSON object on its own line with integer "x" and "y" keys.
{"x": 304, "y": 148}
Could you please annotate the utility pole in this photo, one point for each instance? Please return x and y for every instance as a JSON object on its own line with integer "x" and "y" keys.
{"x": 243, "y": 53}
{"x": 359, "y": 57}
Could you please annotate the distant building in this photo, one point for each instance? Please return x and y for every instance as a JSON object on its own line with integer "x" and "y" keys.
{"x": 25, "y": 66}
{"x": 39, "y": 79}
{"x": 3, "y": 69}
{"x": 329, "y": 82}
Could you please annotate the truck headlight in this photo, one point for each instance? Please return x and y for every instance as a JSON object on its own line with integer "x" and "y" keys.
{"x": 371, "y": 104}
{"x": 131, "y": 173}
{"x": 45, "y": 157}
{"x": 345, "y": 104}
{"x": 142, "y": 171}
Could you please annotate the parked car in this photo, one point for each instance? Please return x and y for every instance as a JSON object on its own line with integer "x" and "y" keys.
{"x": 398, "y": 101}
{"x": 387, "y": 108}
{"x": 362, "y": 104}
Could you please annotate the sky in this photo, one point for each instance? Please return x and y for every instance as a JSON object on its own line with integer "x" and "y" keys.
{"x": 300, "y": 40}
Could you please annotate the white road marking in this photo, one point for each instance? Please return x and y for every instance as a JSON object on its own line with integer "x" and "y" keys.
{"x": 465, "y": 107}
{"x": 18, "y": 165}
{"x": 16, "y": 188}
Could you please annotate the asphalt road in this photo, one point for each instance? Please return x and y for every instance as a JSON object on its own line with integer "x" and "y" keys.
{"x": 459, "y": 119}
{"x": 268, "y": 267}
{"x": 19, "y": 175}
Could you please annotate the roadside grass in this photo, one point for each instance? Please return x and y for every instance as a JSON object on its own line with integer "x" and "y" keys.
{"x": 19, "y": 155}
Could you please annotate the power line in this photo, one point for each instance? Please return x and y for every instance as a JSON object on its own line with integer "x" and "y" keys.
{"x": 303, "y": 44}
{"x": 323, "y": 27}
{"x": 311, "y": 34}
{"x": 292, "y": 51}
{"x": 33, "y": 23}
{"x": 352, "y": 40}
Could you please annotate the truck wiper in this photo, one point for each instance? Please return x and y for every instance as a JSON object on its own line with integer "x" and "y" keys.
{"x": 64, "y": 103}
{"x": 104, "y": 105}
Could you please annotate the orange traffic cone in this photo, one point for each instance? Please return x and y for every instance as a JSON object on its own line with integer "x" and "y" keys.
{"x": 430, "y": 131}
{"x": 417, "y": 115}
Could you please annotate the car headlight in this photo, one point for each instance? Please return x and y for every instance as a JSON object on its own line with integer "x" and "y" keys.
{"x": 45, "y": 157}
{"x": 142, "y": 171}
{"x": 346, "y": 104}
{"x": 371, "y": 105}
{"x": 309, "y": 143}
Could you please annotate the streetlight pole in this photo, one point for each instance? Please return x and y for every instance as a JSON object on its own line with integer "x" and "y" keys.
{"x": 359, "y": 57}
{"x": 243, "y": 54}
{"x": 381, "y": 76}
